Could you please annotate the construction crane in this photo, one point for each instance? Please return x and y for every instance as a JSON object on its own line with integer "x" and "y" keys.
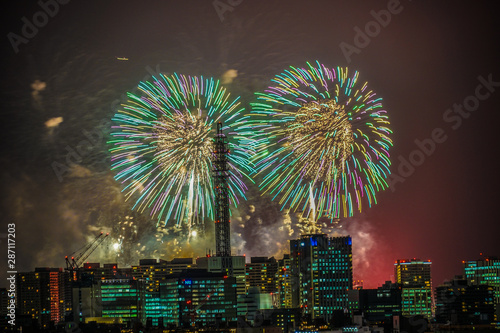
{"x": 85, "y": 251}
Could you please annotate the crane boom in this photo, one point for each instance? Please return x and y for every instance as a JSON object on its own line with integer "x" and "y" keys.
{"x": 86, "y": 251}
{"x": 79, "y": 262}
{"x": 85, "y": 246}
{"x": 88, "y": 246}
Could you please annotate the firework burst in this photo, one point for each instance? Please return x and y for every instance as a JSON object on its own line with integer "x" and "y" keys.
{"x": 162, "y": 147}
{"x": 323, "y": 141}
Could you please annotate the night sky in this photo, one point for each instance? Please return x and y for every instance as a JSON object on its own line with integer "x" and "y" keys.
{"x": 427, "y": 58}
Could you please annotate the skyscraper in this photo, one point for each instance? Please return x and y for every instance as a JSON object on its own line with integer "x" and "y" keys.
{"x": 216, "y": 265}
{"x": 261, "y": 273}
{"x": 287, "y": 281}
{"x": 485, "y": 271}
{"x": 123, "y": 298}
{"x": 414, "y": 276}
{"x": 199, "y": 297}
{"x": 458, "y": 303}
{"x": 324, "y": 265}
{"x": 380, "y": 305}
{"x": 154, "y": 273}
{"x": 40, "y": 295}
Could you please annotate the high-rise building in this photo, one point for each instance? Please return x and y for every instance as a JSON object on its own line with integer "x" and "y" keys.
{"x": 253, "y": 303}
{"x": 261, "y": 273}
{"x": 216, "y": 265}
{"x": 458, "y": 303}
{"x": 324, "y": 265}
{"x": 288, "y": 319}
{"x": 197, "y": 297}
{"x": 413, "y": 272}
{"x": 93, "y": 272}
{"x": 40, "y": 295}
{"x": 86, "y": 300}
{"x": 122, "y": 298}
{"x": 485, "y": 271}
{"x": 380, "y": 305}
{"x": 153, "y": 272}
{"x": 86, "y": 290}
{"x": 414, "y": 276}
{"x": 287, "y": 282}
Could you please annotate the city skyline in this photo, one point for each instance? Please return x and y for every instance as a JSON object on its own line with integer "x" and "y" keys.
{"x": 310, "y": 287}
{"x": 62, "y": 85}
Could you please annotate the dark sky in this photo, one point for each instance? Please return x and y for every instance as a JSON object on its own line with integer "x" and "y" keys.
{"x": 426, "y": 59}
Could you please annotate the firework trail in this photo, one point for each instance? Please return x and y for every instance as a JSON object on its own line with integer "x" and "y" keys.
{"x": 162, "y": 147}
{"x": 323, "y": 141}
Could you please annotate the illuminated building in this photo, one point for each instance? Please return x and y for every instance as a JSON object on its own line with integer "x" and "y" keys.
{"x": 324, "y": 265}
{"x": 380, "y": 305}
{"x": 40, "y": 295}
{"x": 122, "y": 298}
{"x": 353, "y": 296}
{"x": 238, "y": 267}
{"x": 414, "y": 276}
{"x": 286, "y": 319}
{"x": 197, "y": 297}
{"x": 238, "y": 271}
{"x": 153, "y": 273}
{"x": 261, "y": 273}
{"x": 86, "y": 290}
{"x": 287, "y": 280}
{"x": 458, "y": 303}
{"x": 252, "y": 304}
{"x": 485, "y": 272}
{"x": 94, "y": 272}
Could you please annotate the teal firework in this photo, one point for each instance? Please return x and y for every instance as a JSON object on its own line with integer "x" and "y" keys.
{"x": 323, "y": 141}
{"x": 162, "y": 146}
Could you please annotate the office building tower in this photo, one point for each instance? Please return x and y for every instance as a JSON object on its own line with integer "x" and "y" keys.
{"x": 380, "y": 305}
{"x": 238, "y": 271}
{"x": 86, "y": 290}
{"x": 153, "y": 272}
{"x": 261, "y": 273}
{"x": 199, "y": 298}
{"x": 288, "y": 319}
{"x": 287, "y": 284}
{"x": 215, "y": 265}
{"x": 40, "y": 295}
{"x": 458, "y": 303}
{"x": 413, "y": 272}
{"x": 485, "y": 271}
{"x": 122, "y": 298}
{"x": 414, "y": 276}
{"x": 324, "y": 266}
